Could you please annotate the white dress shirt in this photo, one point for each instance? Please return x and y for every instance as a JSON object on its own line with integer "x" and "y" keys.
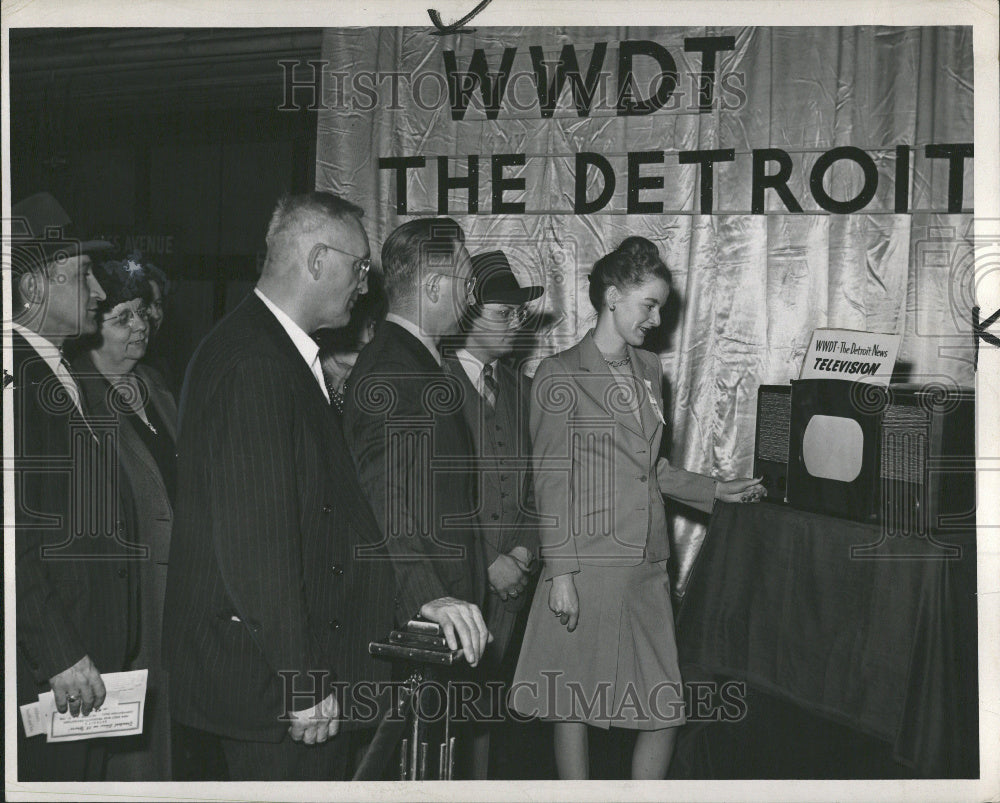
{"x": 473, "y": 368}
{"x": 54, "y": 359}
{"x": 306, "y": 345}
{"x": 414, "y": 330}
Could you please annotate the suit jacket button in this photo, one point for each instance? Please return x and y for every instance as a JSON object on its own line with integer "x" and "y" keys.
{"x": 333, "y": 624}
{"x": 337, "y": 569}
{"x": 327, "y": 509}
{"x": 642, "y": 478}
{"x": 121, "y": 526}
{"x": 123, "y": 572}
{"x": 495, "y": 516}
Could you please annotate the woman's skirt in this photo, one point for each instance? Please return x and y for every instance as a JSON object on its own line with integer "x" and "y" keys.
{"x": 618, "y": 668}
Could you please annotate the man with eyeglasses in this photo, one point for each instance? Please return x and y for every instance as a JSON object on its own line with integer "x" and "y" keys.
{"x": 496, "y": 402}
{"x": 268, "y": 612}
{"x": 409, "y": 437}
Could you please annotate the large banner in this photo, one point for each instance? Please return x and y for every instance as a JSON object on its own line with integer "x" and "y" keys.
{"x": 793, "y": 178}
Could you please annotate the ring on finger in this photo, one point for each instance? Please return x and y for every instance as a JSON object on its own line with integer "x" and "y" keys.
{"x": 72, "y": 698}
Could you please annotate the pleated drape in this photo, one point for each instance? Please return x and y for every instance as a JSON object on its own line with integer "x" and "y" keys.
{"x": 749, "y": 288}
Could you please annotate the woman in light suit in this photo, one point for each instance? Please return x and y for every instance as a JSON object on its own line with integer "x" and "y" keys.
{"x": 599, "y": 647}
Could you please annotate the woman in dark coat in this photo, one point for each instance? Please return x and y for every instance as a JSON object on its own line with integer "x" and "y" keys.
{"x": 134, "y": 400}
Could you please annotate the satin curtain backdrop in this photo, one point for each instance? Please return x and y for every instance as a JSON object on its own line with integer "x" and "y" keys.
{"x": 749, "y": 289}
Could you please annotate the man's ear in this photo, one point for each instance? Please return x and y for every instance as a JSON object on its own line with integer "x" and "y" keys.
{"x": 432, "y": 287}
{"x": 29, "y": 285}
{"x": 316, "y": 260}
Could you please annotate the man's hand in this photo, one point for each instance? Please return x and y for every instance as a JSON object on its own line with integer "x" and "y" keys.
{"x": 463, "y": 625}
{"x": 564, "y": 601}
{"x": 507, "y": 576}
{"x": 78, "y": 689}
{"x": 317, "y": 724}
{"x": 746, "y": 489}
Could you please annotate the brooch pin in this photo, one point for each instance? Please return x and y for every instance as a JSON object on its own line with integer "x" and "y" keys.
{"x": 653, "y": 403}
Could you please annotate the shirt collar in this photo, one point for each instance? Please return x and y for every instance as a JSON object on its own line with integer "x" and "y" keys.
{"x": 306, "y": 346}
{"x": 414, "y": 330}
{"x": 473, "y": 367}
{"x": 46, "y": 349}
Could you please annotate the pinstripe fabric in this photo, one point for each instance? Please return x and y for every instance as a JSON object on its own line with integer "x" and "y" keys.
{"x": 404, "y": 423}
{"x": 265, "y": 576}
{"x": 78, "y": 599}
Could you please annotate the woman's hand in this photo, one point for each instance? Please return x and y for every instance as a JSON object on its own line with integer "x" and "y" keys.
{"x": 746, "y": 489}
{"x": 564, "y": 602}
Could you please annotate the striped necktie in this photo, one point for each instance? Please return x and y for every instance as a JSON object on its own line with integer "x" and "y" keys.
{"x": 489, "y": 385}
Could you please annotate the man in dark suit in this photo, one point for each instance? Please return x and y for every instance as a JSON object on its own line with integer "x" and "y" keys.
{"x": 77, "y": 612}
{"x": 409, "y": 437}
{"x": 496, "y": 404}
{"x": 277, "y": 578}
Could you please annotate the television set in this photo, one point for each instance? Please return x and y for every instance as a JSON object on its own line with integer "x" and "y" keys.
{"x": 902, "y": 456}
{"x": 770, "y": 456}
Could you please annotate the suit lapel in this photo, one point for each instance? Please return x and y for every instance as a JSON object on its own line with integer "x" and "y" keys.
{"x": 472, "y": 406}
{"x": 163, "y": 401}
{"x": 31, "y": 368}
{"x": 597, "y": 379}
{"x": 95, "y": 390}
{"x": 279, "y": 337}
{"x": 648, "y": 404}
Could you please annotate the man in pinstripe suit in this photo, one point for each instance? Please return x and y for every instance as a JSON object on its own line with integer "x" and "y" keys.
{"x": 277, "y": 576}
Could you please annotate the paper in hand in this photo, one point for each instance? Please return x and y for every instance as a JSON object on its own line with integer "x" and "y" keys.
{"x": 120, "y": 715}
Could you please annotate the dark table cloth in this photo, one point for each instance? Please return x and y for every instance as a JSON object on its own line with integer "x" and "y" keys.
{"x": 876, "y": 633}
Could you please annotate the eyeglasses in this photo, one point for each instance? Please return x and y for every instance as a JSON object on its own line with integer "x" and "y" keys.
{"x": 512, "y": 316}
{"x": 128, "y": 315}
{"x": 470, "y": 281}
{"x": 361, "y": 264}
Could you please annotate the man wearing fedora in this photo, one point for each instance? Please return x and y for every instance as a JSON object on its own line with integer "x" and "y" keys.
{"x": 496, "y": 404}
{"x": 76, "y": 593}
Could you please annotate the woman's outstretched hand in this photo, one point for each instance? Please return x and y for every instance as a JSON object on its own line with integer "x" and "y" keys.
{"x": 564, "y": 602}
{"x": 745, "y": 489}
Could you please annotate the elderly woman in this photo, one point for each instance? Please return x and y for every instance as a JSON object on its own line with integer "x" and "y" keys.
{"x": 134, "y": 400}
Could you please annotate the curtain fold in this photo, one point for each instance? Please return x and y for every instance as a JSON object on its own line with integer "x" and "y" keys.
{"x": 749, "y": 288}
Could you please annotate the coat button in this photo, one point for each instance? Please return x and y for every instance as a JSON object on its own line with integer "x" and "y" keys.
{"x": 495, "y": 516}
{"x": 503, "y": 494}
{"x": 121, "y": 526}
{"x": 337, "y": 569}
{"x": 333, "y": 624}
{"x": 123, "y": 573}
{"x": 642, "y": 478}
{"x": 327, "y": 509}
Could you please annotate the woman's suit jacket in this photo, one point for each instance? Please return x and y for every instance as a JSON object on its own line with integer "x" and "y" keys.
{"x": 153, "y": 515}
{"x": 598, "y": 476}
{"x": 151, "y": 521}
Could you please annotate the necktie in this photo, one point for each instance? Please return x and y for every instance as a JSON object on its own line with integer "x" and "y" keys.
{"x": 489, "y": 385}
{"x": 65, "y": 376}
